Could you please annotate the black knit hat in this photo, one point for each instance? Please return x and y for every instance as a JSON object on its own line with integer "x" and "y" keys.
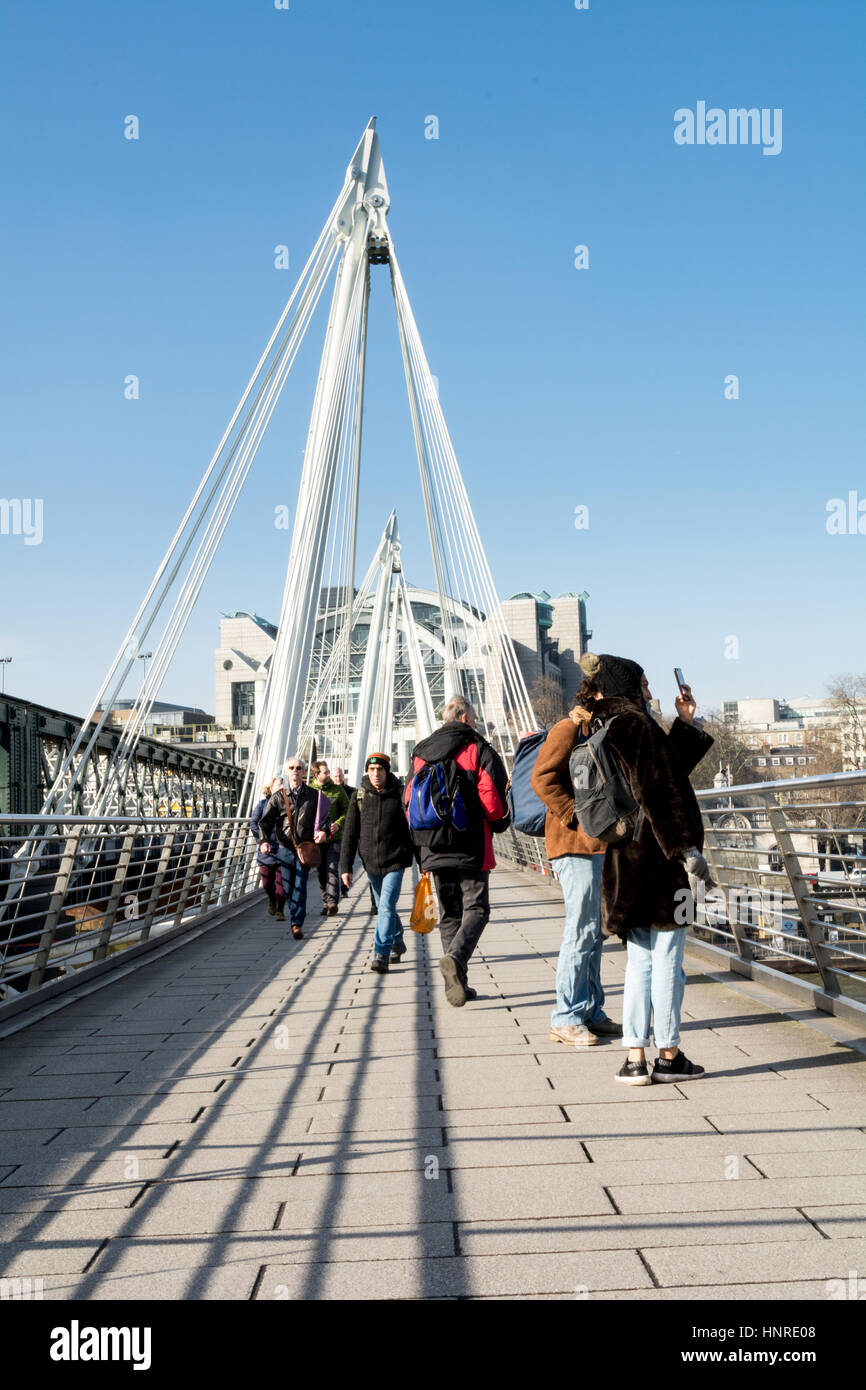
{"x": 378, "y": 760}
{"x": 613, "y": 675}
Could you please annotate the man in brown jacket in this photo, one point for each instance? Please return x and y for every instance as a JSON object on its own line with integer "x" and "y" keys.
{"x": 578, "y": 1018}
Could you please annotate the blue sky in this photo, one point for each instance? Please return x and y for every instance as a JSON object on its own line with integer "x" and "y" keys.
{"x": 601, "y": 387}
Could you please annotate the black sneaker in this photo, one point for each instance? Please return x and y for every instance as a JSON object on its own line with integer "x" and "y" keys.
{"x": 470, "y": 992}
{"x": 677, "y": 1068}
{"x": 397, "y": 951}
{"x": 379, "y": 965}
{"x": 633, "y": 1074}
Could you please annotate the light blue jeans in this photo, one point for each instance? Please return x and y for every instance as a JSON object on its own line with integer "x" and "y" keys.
{"x": 654, "y": 981}
{"x": 579, "y": 995}
{"x": 389, "y": 929}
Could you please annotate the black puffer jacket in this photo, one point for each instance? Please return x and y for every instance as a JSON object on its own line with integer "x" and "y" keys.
{"x": 376, "y": 827}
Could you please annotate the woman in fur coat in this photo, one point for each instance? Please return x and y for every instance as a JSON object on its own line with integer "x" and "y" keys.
{"x": 645, "y": 880}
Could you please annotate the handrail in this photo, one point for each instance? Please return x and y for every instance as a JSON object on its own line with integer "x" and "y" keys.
{"x": 77, "y": 891}
{"x": 819, "y": 779}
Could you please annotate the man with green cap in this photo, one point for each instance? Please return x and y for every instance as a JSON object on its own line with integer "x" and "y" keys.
{"x": 377, "y": 829}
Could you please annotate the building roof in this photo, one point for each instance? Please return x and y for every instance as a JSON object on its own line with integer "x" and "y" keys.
{"x": 263, "y": 623}
{"x": 159, "y": 707}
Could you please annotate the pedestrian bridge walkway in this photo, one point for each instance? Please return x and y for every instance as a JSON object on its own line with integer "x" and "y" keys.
{"x": 249, "y": 1117}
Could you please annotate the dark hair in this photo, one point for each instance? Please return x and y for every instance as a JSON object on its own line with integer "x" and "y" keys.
{"x": 587, "y": 692}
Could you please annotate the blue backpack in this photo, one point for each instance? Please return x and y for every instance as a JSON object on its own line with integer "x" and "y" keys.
{"x": 526, "y": 809}
{"x": 436, "y": 800}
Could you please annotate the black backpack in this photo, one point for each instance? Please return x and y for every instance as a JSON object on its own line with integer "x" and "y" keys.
{"x": 603, "y": 803}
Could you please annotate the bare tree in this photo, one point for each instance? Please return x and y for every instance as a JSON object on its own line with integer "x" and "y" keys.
{"x": 823, "y": 747}
{"x": 548, "y": 701}
{"x": 848, "y": 698}
{"x": 728, "y": 749}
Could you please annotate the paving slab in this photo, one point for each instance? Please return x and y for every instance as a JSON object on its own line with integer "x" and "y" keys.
{"x": 456, "y": 1277}
{"x": 415, "y": 1154}
{"x": 36, "y": 1259}
{"x": 807, "y": 1165}
{"x": 141, "y": 1110}
{"x": 538, "y": 1191}
{"x": 674, "y": 1147}
{"x": 235, "y": 1283}
{"x": 69, "y": 1197}
{"x": 39, "y": 1114}
{"x": 802, "y": 1120}
{"x": 722, "y": 1196}
{"x": 645, "y": 1232}
{"x": 781, "y": 1292}
{"x": 757, "y": 1263}
{"x": 839, "y": 1221}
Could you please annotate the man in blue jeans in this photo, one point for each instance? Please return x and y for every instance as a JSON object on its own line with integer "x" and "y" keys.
{"x": 578, "y": 1019}
{"x": 377, "y": 829}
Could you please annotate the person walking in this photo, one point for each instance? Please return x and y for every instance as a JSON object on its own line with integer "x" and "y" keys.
{"x": 329, "y": 867}
{"x": 266, "y": 856}
{"x": 295, "y": 814}
{"x": 646, "y": 879}
{"x": 578, "y": 1017}
{"x": 460, "y": 858}
{"x": 339, "y": 776}
{"x": 376, "y": 827}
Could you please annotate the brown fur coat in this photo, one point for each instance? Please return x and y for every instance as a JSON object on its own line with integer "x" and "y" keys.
{"x": 551, "y": 783}
{"x": 641, "y": 877}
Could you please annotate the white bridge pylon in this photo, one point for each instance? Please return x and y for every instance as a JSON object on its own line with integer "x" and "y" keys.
{"x": 391, "y": 619}
{"x": 320, "y": 602}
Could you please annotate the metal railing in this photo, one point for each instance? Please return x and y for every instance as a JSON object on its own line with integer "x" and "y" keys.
{"x": 76, "y": 890}
{"x": 789, "y": 857}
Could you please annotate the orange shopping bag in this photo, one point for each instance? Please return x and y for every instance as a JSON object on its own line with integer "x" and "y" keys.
{"x": 423, "y": 917}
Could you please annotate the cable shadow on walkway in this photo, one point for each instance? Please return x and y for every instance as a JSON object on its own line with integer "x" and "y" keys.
{"x": 216, "y": 1100}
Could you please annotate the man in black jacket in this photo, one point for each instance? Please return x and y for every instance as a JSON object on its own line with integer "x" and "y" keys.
{"x": 376, "y": 827}
{"x": 296, "y": 812}
{"x": 460, "y": 858}
{"x": 341, "y": 780}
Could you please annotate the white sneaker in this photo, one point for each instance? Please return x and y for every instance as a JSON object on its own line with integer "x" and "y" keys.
{"x": 574, "y": 1034}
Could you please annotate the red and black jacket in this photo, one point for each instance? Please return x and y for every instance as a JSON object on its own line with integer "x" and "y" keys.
{"x": 483, "y": 781}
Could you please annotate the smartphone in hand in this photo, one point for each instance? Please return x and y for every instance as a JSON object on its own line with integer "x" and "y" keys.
{"x": 680, "y": 678}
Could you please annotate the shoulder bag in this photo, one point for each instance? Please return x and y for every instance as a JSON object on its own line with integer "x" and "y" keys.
{"x": 308, "y": 851}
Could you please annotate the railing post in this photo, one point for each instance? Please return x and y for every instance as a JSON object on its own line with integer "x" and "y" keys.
{"x": 101, "y": 949}
{"x": 49, "y": 931}
{"x": 190, "y": 874}
{"x": 742, "y": 943}
{"x": 237, "y": 875}
{"x": 211, "y": 873}
{"x": 797, "y": 879}
{"x": 159, "y": 879}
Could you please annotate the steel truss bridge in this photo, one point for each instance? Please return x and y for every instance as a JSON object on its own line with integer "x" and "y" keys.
{"x": 159, "y": 780}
